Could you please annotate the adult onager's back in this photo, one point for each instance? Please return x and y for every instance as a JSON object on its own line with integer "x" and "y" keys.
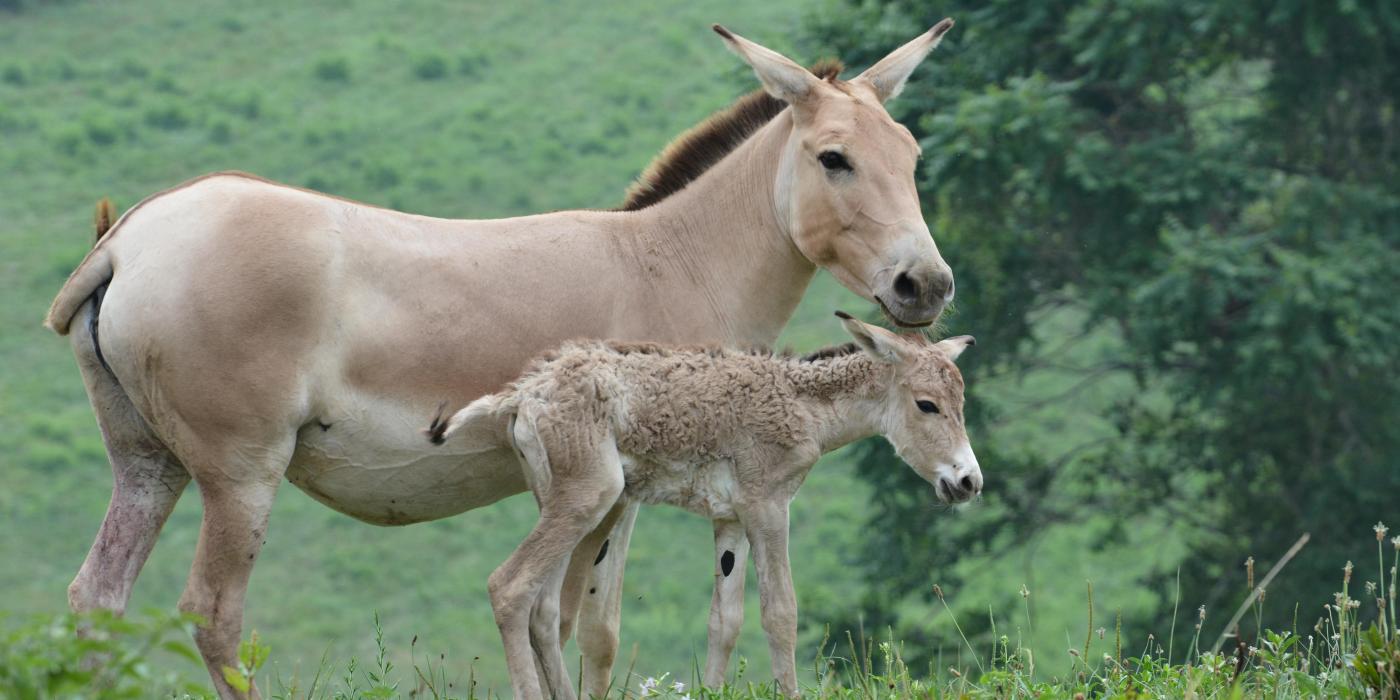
{"x": 238, "y": 332}
{"x": 726, "y": 434}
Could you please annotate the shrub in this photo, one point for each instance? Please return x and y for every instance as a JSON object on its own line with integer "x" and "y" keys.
{"x": 332, "y": 70}
{"x": 132, "y": 68}
{"x": 430, "y": 67}
{"x": 472, "y": 64}
{"x": 381, "y": 176}
{"x": 93, "y": 655}
{"x": 167, "y": 117}
{"x": 14, "y": 75}
{"x": 101, "y": 129}
{"x": 220, "y": 132}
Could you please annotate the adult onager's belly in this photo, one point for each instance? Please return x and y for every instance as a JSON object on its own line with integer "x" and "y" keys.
{"x": 378, "y": 467}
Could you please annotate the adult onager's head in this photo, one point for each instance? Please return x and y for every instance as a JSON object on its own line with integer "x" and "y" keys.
{"x": 845, "y": 189}
{"x": 921, "y": 411}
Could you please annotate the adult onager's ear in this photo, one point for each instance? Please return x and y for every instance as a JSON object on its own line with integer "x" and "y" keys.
{"x": 780, "y": 75}
{"x": 887, "y": 76}
{"x": 955, "y": 345}
{"x": 878, "y": 342}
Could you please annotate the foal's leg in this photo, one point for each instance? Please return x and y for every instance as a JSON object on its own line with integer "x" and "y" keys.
{"x": 601, "y": 611}
{"x": 545, "y": 640}
{"x": 727, "y": 605}
{"x": 585, "y": 480}
{"x": 581, "y": 563}
{"x": 767, "y": 528}
{"x": 147, "y": 481}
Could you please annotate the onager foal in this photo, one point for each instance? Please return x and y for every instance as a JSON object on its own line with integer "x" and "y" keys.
{"x": 726, "y": 434}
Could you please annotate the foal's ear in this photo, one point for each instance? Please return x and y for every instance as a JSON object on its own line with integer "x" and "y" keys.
{"x": 878, "y": 342}
{"x": 955, "y": 346}
{"x": 780, "y": 75}
{"x": 887, "y": 76}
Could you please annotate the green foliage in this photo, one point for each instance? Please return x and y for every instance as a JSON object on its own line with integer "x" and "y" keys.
{"x": 46, "y": 657}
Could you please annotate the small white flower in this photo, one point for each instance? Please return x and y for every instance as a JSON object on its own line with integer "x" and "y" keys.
{"x": 679, "y": 687}
{"x": 686, "y": 696}
{"x": 649, "y": 686}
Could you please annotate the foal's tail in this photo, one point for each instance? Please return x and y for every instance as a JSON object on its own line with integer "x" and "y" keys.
{"x": 94, "y": 271}
{"x": 480, "y": 422}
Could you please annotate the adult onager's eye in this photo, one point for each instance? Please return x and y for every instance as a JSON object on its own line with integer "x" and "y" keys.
{"x": 927, "y": 406}
{"x": 833, "y": 161}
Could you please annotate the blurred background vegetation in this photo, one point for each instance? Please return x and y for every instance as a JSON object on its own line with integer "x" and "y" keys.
{"x": 1175, "y": 227}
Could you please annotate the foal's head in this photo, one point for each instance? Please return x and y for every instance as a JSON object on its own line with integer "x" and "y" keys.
{"x": 921, "y": 412}
{"x": 845, "y": 185}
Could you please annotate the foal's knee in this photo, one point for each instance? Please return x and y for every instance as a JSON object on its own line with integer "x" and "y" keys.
{"x": 508, "y": 598}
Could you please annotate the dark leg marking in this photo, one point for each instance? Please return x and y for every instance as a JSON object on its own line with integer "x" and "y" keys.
{"x": 591, "y": 591}
{"x": 726, "y": 562}
{"x": 602, "y": 552}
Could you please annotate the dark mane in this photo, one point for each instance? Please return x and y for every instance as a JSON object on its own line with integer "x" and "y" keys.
{"x": 697, "y": 150}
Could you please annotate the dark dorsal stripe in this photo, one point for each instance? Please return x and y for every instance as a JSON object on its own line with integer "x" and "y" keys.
{"x": 831, "y": 352}
{"x": 697, "y": 150}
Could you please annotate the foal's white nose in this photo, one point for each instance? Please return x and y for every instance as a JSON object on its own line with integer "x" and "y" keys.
{"x": 970, "y": 480}
{"x": 966, "y": 472}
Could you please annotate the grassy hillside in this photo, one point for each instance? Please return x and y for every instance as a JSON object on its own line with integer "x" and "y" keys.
{"x": 444, "y": 108}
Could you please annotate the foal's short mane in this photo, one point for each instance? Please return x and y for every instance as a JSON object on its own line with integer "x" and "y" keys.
{"x": 697, "y": 150}
{"x": 628, "y": 347}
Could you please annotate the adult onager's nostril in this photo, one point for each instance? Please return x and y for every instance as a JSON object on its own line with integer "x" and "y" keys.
{"x": 968, "y": 484}
{"x": 941, "y": 287}
{"x": 905, "y": 288}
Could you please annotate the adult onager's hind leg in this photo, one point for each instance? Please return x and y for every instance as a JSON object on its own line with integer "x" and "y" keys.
{"x": 147, "y": 481}
{"x": 727, "y": 605}
{"x": 236, "y": 511}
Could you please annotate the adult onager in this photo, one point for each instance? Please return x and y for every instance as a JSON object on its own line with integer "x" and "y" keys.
{"x": 726, "y": 434}
{"x": 251, "y": 331}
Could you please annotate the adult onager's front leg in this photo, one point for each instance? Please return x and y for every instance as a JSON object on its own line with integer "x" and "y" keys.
{"x": 767, "y": 528}
{"x": 727, "y": 604}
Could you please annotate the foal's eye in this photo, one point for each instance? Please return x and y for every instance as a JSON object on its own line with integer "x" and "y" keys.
{"x": 833, "y": 161}
{"x": 926, "y": 406}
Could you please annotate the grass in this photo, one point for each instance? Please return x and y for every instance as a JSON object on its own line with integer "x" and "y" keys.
{"x": 1353, "y": 650}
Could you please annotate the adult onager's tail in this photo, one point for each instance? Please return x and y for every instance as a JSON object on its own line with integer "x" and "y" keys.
{"x": 94, "y": 271}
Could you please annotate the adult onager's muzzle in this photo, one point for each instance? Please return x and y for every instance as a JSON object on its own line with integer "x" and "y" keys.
{"x": 917, "y": 294}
